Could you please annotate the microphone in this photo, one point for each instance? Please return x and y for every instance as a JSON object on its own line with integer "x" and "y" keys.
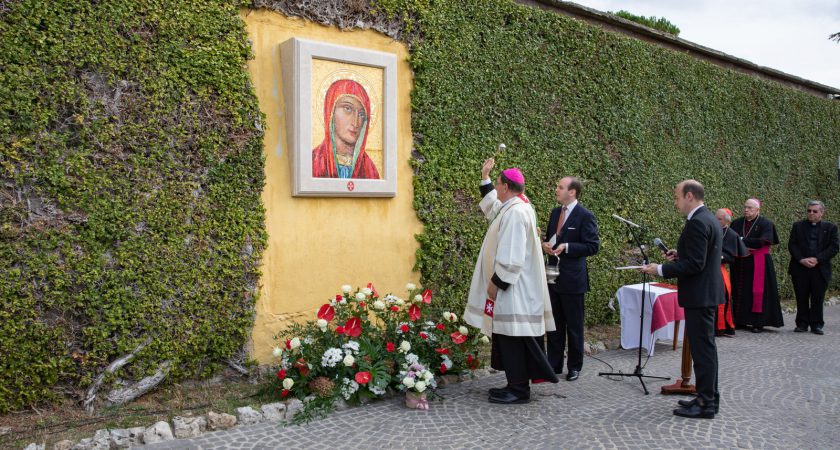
{"x": 616, "y": 216}
{"x": 658, "y": 242}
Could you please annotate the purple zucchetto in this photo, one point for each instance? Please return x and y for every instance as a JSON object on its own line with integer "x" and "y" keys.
{"x": 515, "y": 175}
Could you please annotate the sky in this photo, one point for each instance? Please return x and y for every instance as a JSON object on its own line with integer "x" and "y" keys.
{"x": 786, "y": 35}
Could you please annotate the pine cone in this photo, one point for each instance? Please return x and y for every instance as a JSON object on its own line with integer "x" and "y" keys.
{"x": 322, "y": 387}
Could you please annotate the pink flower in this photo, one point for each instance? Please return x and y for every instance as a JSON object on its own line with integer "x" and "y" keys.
{"x": 362, "y": 305}
{"x": 281, "y": 374}
{"x": 440, "y": 326}
{"x": 395, "y": 308}
{"x": 427, "y": 296}
{"x": 404, "y": 328}
{"x": 390, "y": 347}
{"x": 442, "y": 351}
{"x": 284, "y": 393}
{"x": 442, "y": 368}
{"x": 423, "y": 335}
{"x": 458, "y": 338}
{"x": 373, "y": 289}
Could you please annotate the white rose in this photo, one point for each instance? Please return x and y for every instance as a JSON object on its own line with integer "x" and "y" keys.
{"x": 418, "y": 298}
{"x": 410, "y": 287}
{"x": 295, "y": 343}
{"x": 346, "y": 288}
{"x": 278, "y": 352}
{"x": 288, "y": 383}
{"x": 379, "y": 304}
{"x": 427, "y": 375}
{"x": 463, "y": 330}
{"x": 360, "y": 296}
{"x": 343, "y": 301}
{"x": 322, "y": 324}
{"x": 452, "y": 317}
{"x": 400, "y": 302}
{"x": 349, "y": 360}
{"x": 485, "y": 339}
{"x": 408, "y": 382}
{"x": 405, "y": 346}
{"x": 420, "y": 386}
{"x": 367, "y": 291}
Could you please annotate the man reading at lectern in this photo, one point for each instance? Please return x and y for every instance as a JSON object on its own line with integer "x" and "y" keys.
{"x": 696, "y": 266}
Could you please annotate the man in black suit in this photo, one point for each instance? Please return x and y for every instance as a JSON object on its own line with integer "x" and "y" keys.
{"x": 812, "y": 244}
{"x": 572, "y": 236}
{"x": 696, "y": 265}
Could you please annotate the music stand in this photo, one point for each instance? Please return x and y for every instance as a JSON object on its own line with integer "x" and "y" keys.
{"x": 638, "y": 371}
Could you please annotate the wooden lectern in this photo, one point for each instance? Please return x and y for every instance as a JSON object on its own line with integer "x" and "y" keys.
{"x": 683, "y": 385}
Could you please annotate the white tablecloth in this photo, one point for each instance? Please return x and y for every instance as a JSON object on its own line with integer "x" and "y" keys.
{"x": 629, "y": 299}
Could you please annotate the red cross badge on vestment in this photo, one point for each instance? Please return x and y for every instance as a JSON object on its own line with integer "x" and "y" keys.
{"x": 488, "y": 307}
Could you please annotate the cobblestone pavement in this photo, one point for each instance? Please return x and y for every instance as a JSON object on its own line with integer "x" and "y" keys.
{"x": 779, "y": 389}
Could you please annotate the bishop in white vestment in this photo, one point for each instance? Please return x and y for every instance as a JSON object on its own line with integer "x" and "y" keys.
{"x": 508, "y": 294}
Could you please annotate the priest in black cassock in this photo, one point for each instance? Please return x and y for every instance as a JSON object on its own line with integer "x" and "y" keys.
{"x": 732, "y": 248}
{"x": 755, "y": 294}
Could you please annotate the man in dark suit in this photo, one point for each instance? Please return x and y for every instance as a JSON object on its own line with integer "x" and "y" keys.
{"x": 812, "y": 244}
{"x": 696, "y": 265}
{"x": 572, "y": 236}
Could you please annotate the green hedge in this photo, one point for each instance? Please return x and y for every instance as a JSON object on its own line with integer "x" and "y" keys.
{"x": 130, "y": 179}
{"x": 629, "y": 117}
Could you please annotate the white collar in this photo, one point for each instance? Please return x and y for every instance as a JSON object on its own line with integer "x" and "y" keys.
{"x": 691, "y": 214}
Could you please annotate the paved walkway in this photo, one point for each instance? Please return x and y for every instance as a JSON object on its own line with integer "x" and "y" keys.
{"x": 779, "y": 389}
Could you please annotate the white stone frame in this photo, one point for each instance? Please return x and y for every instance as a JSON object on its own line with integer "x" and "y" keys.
{"x": 296, "y": 58}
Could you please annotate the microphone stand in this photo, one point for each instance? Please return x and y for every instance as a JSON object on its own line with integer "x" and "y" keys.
{"x": 645, "y": 293}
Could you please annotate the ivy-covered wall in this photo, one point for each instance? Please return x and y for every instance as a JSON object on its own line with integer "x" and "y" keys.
{"x": 630, "y": 118}
{"x": 131, "y": 169}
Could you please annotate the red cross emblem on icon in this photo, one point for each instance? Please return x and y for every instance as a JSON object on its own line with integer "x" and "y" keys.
{"x": 488, "y": 307}
{"x": 350, "y": 186}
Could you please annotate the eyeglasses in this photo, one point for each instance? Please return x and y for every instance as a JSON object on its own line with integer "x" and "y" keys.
{"x": 813, "y": 211}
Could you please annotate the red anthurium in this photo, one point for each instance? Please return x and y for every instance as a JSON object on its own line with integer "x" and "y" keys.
{"x": 327, "y": 312}
{"x": 472, "y": 362}
{"x": 301, "y": 366}
{"x": 339, "y": 330}
{"x": 424, "y": 335}
{"x": 281, "y": 374}
{"x": 375, "y": 294}
{"x": 442, "y": 368}
{"x": 395, "y": 308}
{"x": 404, "y": 328}
{"x": 440, "y": 326}
{"x": 413, "y": 313}
{"x": 442, "y": 351}
{"x": 284, "y": 393}
{"x": 353, "y": 327}
{"x": 362, "y": 377}
{"x": 390, "y": 347}
{"x": 427, "y": 296}
{"x": 458, "y": 338}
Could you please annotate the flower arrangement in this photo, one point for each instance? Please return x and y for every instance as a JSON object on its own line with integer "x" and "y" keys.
{"x": 361, "y": 346}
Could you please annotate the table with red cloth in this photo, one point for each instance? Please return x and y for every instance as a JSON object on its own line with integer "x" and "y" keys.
{"x": 661, "y": 313}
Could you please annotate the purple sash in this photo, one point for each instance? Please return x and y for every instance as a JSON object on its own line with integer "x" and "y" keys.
{"x": 758, "y": 277}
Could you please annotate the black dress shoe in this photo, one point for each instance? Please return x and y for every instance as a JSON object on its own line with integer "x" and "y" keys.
{"x": 695, "y": 412}
{"x": 572, "y": 375}
{"x": 757, "y": 329}
{"x": 800, "y": 329}
{"x": 692, "y": 402}
{"x": 507, "y": 397}
{"x": 818, "y": 331}
{"x": 492, "y": 391}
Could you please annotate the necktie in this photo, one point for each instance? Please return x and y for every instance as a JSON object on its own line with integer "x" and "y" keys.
{"x": 561, "y": 219}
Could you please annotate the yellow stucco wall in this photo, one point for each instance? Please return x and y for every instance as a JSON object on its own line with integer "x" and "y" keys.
{"x": 317, "y": 244}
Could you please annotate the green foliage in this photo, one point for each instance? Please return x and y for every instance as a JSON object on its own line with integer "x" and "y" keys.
{"x": 131, "y": 171}
{"x": 657, "y": 23}
{"x": 630, "y": 118}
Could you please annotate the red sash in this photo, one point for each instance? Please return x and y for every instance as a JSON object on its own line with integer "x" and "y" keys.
{"x": 724, "y": 315}
{"x": 758, "y": 277}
